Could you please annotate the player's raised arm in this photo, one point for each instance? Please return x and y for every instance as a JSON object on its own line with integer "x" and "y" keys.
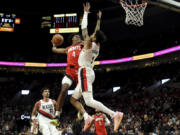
{"x": 88, "y": 40}
{"x": 57, "y": 40}
{"x": 99, "y": 14}
{"x": 85, "y": 20}
{"x": 58, "y": 50}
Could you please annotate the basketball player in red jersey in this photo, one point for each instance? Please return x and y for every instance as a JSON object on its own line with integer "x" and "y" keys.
{"x": 100, "y": 120}
{"x": 72, "y": 52}
{"x": 43, "y": 112}
{"x": 71, "y": 75}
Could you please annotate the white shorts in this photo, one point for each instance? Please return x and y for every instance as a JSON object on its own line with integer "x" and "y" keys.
{"x": 86, "y": 78}
{"x": 46, "y": 128}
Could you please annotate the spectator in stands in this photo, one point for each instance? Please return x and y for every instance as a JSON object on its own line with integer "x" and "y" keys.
{"x": 147, "y": 126}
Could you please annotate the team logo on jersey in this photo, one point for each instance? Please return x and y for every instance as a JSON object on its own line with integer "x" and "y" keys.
{"x": 44, "y": 107}
{"x": 74, "y": 48}
{"x": 98, "y": 119}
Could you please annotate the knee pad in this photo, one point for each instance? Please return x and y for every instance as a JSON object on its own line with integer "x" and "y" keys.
{"x": 67, "y": 81}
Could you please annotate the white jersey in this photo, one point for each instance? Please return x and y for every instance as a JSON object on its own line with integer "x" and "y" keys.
{"x": 87, "y": 57}
{"x": 46, "y": 109}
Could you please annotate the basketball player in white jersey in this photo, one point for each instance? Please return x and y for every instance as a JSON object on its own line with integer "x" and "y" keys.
{"x": 86, "y": 74}
{"x": 43, "y": 112}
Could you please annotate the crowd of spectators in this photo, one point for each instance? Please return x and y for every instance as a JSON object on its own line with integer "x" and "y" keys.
{"x": 134, "y": 99}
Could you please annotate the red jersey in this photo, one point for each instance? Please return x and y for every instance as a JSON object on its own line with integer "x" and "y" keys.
{"x": 99, "y": 123}
{"x": 73, "y": 52}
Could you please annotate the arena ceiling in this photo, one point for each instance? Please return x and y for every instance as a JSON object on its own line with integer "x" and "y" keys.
{"x": 30, "y": 40}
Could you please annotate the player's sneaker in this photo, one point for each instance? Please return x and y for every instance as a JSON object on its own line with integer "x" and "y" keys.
{"x": 117, "y": 120}
{"x": 88, "y": 123}
{"x": 55, "y": 121}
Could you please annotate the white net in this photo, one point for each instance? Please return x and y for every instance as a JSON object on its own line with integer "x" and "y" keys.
{"x": 134, "y": 11}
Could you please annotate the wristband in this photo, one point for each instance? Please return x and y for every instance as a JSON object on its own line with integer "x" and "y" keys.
{"x": 33, "y": 117}
{"x": 84, "y": 21}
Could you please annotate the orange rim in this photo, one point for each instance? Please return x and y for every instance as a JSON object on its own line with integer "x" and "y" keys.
{"x": 137, "y": 5}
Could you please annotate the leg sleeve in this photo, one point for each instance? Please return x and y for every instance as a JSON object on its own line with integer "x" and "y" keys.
{"x": 77, "y": 92}
{"x": 89, "y": 100}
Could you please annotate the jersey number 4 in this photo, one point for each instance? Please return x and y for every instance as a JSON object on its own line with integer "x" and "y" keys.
{"x": 100, "y": 123}
{"x": 74, "y": 54}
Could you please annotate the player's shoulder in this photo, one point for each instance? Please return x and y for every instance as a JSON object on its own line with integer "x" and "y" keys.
{"x": 38, "y": 103}
{"x": 54, "y": 101}
{"x": 81, "y": 45}
{"x": 95, "y": 45}
{"x": 104, "y": 115}
{"x": 69, "y": 46}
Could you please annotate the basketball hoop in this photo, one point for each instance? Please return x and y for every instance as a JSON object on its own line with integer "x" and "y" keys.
{"x": 134, "y": 11}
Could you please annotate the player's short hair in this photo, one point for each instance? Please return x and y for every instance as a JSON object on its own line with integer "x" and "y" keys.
{"x": 77, "y": 127}
{"x": 71, "y": 36}
{"x": 44, "y": 88}
{"x": 100, "y": 37}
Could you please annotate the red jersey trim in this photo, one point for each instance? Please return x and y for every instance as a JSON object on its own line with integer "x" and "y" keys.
{"x": 47, "y": 115}
{"x": 84, "y": 84}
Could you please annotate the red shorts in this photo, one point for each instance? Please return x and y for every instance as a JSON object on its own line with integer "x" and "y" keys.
{"x": 72, "y": 72}
{"x": 101, "y": 132}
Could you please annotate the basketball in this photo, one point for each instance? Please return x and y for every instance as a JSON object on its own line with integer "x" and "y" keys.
{"x": 57, "y": 39}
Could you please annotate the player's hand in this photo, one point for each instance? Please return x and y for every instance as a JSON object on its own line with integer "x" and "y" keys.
{"x": 35, "y": 122}
{"x": 86, "y": 7}
{"x": 34, "y": 127}
{"x": 53, "y": 44}
{"x": 99, "y": 14}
